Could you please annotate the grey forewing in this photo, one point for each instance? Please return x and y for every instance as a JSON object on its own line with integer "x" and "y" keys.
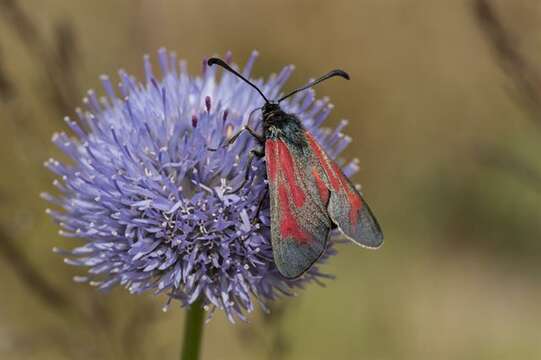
{"x": 293, "y": 256}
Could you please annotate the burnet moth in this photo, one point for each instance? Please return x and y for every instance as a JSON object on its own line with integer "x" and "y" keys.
{"x": 309, "y": 194}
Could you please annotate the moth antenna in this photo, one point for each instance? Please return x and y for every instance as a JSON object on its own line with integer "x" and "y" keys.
{"x": 328, "y": 75}
{"x": 223, "y": 64}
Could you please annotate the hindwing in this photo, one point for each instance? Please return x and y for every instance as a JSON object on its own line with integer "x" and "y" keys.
{"x": 346, "y": 207}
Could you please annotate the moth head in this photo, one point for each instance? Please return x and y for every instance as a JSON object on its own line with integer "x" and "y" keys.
{"x": 269, "y": 109}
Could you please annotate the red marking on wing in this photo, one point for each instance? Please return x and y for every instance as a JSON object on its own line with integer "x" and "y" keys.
{"x": 288, "y": 223}
{"x": 321, "y": 187}
{"x": 324, "y": 161}
{"x": 287, "y": 167}
{"x": 356, "y": 204}
{"x": 355, "y": 201}
{"x": 272, "y": 158}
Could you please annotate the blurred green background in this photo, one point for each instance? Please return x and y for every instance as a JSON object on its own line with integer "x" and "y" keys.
{"x": 444, "y": 109}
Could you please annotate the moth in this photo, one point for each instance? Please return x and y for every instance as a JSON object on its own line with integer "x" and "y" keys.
{"x": 308, "y": 192}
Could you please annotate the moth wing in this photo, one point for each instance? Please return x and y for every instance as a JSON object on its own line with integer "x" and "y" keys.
{"x": 346, "y": 207}
{"x": 300, "y": 224}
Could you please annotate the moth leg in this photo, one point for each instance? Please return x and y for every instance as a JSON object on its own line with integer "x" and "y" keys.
{"x": 260, "y": 139}
{"x": 253, "y": 153}
{"x": 258, "y": 153}
{"x": 256, "y": 220}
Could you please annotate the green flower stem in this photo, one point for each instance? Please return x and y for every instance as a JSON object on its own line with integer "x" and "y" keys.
{"x": 193, "y": 332}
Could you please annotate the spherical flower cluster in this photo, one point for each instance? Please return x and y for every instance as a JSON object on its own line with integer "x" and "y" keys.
{"x": 150, "y": 202}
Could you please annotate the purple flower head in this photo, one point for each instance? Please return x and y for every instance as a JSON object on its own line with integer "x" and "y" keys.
{"x": 149, "y": 201}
